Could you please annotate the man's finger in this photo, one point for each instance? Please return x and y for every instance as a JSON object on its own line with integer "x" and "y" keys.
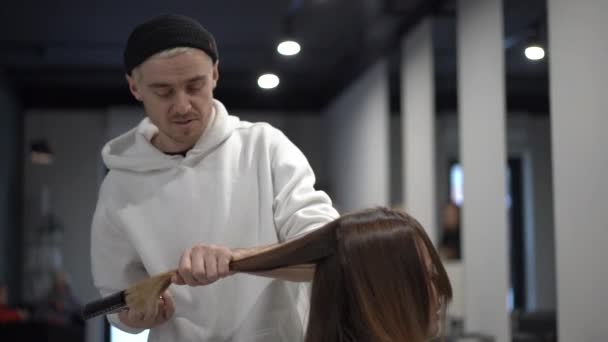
{"x": 185, "y": 268}
{"x": 150, "y": 314}
{"x": 199, "y": 266}
{"x": 168, "y": 306}
{"x": 223, "y": 266}
{"x": 211, "y": 261}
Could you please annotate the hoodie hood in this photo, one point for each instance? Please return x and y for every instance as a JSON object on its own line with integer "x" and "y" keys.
{"x": 133, "y": 150}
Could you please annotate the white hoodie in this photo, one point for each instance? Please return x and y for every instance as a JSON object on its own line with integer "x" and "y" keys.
{"x": 242, "y": 185}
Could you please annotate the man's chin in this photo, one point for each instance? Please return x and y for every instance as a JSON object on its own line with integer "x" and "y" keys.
{"x": 186, "y": 134}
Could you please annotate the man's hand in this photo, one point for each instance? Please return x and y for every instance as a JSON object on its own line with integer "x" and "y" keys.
{"x": 137, "y": 320}
{"x": 203, "y": 265}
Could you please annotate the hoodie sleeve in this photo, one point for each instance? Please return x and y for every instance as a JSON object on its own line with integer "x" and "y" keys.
{"x": 297, "y": 206}
{"x": 115, "y": 265}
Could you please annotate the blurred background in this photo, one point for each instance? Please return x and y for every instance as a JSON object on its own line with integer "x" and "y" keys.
{"x": 483, "y": 118}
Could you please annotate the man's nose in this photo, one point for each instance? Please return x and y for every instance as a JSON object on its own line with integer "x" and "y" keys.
{"x": 182, "y": 103}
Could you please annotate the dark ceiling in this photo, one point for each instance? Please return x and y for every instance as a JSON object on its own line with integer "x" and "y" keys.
{"x": 67, "y": 53}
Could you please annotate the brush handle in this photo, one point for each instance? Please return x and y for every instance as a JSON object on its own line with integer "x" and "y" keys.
{"x": 107, "y": 305}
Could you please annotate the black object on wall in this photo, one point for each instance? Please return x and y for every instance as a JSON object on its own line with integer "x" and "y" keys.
{"x": 516, "y": 224}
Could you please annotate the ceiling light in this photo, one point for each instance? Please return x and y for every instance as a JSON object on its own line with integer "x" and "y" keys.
{"x": 268, "y": 81}
{"x": 534, "y": 53}
{"x": 288, "y": 48}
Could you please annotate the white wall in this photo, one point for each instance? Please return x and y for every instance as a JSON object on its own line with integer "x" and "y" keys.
{"x": 418, "y": 126}
{"x": 579, "y": 117}
{"x": 357, "y": 121}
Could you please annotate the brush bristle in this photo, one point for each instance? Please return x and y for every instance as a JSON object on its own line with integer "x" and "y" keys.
{"x": 143, "y": 297}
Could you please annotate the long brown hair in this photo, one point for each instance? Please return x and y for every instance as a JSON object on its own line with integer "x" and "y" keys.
{"x": 372, "y": 281}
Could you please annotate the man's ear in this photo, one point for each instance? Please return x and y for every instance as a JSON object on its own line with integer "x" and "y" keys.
{"x": 216, "y": 74}
{"x": 133, "y": 86}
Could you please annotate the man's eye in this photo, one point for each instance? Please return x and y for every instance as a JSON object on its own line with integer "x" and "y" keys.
{"x": 164, "y": 93}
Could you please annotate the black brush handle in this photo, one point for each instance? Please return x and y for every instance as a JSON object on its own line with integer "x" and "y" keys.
{"x": 104, "y": 306}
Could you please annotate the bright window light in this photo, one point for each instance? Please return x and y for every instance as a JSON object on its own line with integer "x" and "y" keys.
{"x": 120, "y": 336}
{"x": 268, "y": 81}
{"x": 456, "y": 186}
{"x": 288, "y": 48}
{"x": 535, "y": 53}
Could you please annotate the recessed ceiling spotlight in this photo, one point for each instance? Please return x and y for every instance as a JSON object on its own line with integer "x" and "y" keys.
{"x": 534, "y": 53}
{"x": 288, "y": 48}
{"x": 268, "y": 81}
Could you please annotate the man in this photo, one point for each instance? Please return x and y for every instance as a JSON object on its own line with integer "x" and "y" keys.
{"x": 190, "y": 183}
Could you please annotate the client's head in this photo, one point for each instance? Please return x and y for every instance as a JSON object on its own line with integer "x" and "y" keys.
{"x": 378, "y": 278}
{"x": 384, "y": 282}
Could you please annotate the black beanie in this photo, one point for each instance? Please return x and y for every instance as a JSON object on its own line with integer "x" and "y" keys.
{"x": 166, "y": 32}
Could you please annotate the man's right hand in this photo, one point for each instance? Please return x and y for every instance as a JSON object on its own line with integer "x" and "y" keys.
{"x": 203, "y": 265}
{"x": 133, "y": 319}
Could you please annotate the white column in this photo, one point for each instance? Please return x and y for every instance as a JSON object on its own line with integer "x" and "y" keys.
{"x": 481, "y": 97}
{"x": 540, "y": 237}
{"x": 358, "y": 142}
{"x": 418, "y": 126}
{"x": 579, "y": 119}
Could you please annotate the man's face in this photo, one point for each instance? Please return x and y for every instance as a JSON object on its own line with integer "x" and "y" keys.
{"x": 177, "y": 94}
